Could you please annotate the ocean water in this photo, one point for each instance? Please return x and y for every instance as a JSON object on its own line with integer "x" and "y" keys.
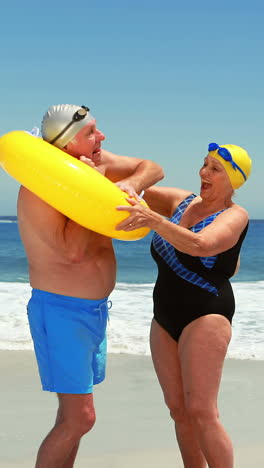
{"x": 131, "y": 314}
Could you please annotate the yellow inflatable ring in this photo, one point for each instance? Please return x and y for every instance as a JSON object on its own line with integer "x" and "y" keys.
{"x": 78, "y": 191}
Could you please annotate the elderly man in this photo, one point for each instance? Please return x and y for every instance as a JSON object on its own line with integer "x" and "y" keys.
{"x": 72, "y": 272}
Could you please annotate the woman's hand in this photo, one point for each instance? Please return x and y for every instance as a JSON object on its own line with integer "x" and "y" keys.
{"x": 140, "y": 216}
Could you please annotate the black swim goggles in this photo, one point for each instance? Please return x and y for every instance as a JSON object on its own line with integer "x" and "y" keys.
{"x": 80, "y": 114}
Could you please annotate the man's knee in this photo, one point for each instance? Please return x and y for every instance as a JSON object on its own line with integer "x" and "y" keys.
{"x": 79, "y": 423}
{"x": 78, "y": 416}
{"x": 87, "y": 420}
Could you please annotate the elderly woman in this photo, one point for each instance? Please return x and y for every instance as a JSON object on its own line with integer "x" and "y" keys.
{"x": 197, "y": 251}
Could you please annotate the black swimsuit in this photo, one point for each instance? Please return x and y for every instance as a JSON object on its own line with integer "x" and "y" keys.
{"x": 189, "y": 287}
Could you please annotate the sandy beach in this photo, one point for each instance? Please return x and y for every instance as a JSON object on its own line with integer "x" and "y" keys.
{"x": 133, "y": 427}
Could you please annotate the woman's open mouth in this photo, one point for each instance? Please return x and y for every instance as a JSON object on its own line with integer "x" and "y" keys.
{"x": 205, "y": 185}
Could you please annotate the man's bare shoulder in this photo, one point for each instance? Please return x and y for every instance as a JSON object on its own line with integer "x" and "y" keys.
{"x": 108, "y": 156}
{"x": 30, "y": 206}
{"x": 114, "y": 160}
{"x": 118, "y": 167}
{"x": 26, "y": 198}
{"x": 25, "y": 193}
{"x": 41, "y": 226}
{"x": 109, "y": 161}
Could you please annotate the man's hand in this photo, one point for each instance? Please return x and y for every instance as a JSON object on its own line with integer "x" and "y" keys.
{"x": 87, "y": 161}
{"x": 90, "y": 163}
{"x": 125, "y": 186}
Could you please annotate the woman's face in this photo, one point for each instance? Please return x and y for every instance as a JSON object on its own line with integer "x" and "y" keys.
{"x": 215, "y": 182}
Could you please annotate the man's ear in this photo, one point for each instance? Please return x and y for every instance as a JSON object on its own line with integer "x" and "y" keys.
{"x": 67, "y": 148}
{"x": 70, "y": 148}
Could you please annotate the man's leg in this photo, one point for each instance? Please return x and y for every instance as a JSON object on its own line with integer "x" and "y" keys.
{"x": 70, "y": 461}
{"x": 76, "y": 417}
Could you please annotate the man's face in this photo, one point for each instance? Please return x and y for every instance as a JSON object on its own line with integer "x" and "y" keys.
{"x": 87, "y": 143}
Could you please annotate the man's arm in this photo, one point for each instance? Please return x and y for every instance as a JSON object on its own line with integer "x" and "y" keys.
{"x": 63, "y": 236}
{"x": 131, "y": 174}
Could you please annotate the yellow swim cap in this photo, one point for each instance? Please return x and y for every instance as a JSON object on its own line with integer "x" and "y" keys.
{"x": 235, "y": 160}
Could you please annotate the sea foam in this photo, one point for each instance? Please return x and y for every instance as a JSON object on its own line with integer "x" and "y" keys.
{"x": 130, "y": 318}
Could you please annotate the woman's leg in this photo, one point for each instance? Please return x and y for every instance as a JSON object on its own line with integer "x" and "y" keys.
{"x": 202, "y": 349}
{"x": 164, "y": 351}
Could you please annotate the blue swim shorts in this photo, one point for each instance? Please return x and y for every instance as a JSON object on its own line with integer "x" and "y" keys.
{"x": 69, "y": 336}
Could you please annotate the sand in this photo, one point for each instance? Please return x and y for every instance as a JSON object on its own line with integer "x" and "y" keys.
{"x": 133, "y": 428}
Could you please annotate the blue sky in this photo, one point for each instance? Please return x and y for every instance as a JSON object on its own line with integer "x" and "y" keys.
{"x": 163, "y": 78}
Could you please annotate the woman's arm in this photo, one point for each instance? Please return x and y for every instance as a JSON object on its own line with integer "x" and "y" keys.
{"x": 164, "y": 200}
{"x": 219, "y": 236}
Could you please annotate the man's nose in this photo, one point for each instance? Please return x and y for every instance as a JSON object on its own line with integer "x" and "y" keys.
{"x": 100, "y": 135}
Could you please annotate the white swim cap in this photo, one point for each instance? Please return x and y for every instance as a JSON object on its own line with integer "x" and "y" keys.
{"x": 61, "y": 123}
